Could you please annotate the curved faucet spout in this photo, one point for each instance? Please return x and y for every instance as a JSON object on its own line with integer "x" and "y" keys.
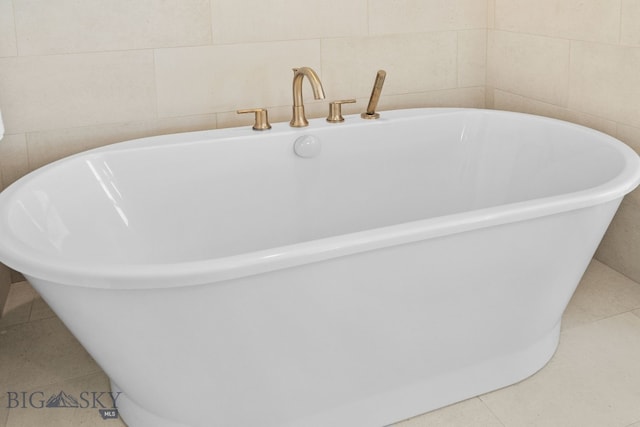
{"x": 299, "y": 119}
{"x": 316, "y": 85}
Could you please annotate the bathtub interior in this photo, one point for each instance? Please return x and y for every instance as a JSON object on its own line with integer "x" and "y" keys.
{"x": 210, "y": 197}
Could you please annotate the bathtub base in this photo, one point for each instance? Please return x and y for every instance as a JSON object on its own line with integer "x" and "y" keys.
{"x": 400, "y": 404}
{"x": 136, "y": 416}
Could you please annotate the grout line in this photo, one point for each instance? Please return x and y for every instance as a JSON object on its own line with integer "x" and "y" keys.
{"x": 15, "y": 28}
{"x": 567, "y": 100}
{"x": 486, "y": 405}
{"x": 621, "y": 3}
{"x": 211, "y": 24}
{"x": 634, "y": 424}
{"x": 457, "y": 59}
{"x": 590, "y": 323}
{"x": 369, "y": 18}
{"x": 33, "y": 298}
{"x": 486, "y": 58}
{"x": 154, "y": 69}
{"x": 604, "y": 263}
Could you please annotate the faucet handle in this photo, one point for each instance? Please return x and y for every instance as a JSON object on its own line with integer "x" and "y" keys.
{"x": 335, "y": 110}
{"x": 261, "y": 118}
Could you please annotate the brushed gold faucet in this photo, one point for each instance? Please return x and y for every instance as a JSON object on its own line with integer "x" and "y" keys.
{"x": 299, "y": 120}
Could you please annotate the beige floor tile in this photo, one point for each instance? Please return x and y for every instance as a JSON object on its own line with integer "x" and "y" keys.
{"x": 18, "y": 307}
{"x": 90, "y": 393}
{"x": 602, "y": 293}
{"x": 471, "y": 412}
{"x": 4, "y": 412}
{"x": 40, "y": 310}
{"x": 592, "y": 381}
{"x": 40, "y": 353}
{"x": 634, "y": 424}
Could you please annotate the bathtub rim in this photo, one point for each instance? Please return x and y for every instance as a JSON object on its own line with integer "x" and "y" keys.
{"x": 51, "y": 267}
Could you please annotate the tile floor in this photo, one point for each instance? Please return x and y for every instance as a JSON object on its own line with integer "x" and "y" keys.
{"x": 592, "y": 381}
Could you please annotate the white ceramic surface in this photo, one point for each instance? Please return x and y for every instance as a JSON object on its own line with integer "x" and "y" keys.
{"x": 222, "y": 280}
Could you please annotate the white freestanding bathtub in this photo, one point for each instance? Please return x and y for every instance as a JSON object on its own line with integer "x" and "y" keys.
{"x": 380, "y": 270}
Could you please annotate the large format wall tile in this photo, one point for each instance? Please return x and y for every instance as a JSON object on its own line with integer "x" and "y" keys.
{"x": 592, "y": 20}
{"x": 605, "y": 81}
{"x": 414, "y": 63}
{"x": 472, "y": 58}
{"x": 470, "y": 97}
{"x": 241, "y": 21}
{"x": 511, "y": 102}
{"x": 58, "y": 91}
{"x": 415, "y": 16}
{"x": 222, "y": 78}
{"x": 47, "y": 146}
{"x": 532, "y": 66}
{"x": 630, "y": 32}
{"x": 66, "y": 26}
